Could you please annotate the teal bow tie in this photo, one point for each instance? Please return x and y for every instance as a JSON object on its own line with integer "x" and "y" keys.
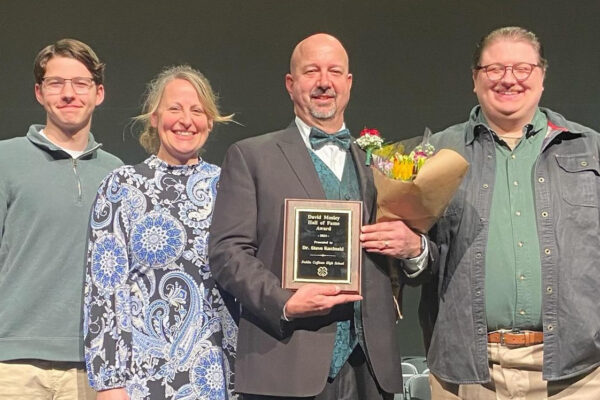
{"x": 318, "y": 138}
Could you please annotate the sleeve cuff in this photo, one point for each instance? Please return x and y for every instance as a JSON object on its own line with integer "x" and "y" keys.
{"x": 414, "y": 266}
{"x": 284, "y": 316}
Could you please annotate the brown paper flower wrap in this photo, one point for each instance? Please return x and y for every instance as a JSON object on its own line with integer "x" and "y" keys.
{"x": 415, "y": 188}
{"x": 420, "y": 202}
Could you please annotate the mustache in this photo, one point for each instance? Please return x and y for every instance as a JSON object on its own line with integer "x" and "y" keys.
{"x": 321, "y": 91}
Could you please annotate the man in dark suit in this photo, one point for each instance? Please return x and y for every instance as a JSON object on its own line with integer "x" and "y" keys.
{"x": 315, "y": 341}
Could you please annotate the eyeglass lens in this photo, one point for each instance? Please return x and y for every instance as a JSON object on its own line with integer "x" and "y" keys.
{"x": 520, "y": 71}
{"x": 80, "y": 85}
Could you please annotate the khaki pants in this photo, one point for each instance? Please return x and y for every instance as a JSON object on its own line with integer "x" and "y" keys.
{"x": 44, "y": 380}
{"x": 517, "y": 375}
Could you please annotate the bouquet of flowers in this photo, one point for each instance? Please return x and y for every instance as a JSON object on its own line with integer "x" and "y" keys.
{"x": 393, "y": 163}
{"x": 416, "y": 187}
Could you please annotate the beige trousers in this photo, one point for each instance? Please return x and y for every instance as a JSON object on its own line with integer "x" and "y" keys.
{"x": 517, "y": 375}
{"x": 44, "y": 380}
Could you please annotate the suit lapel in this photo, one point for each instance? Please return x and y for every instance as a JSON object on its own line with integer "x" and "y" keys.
{"x": 295, "y": 152}
{"x": 365, "y": 180}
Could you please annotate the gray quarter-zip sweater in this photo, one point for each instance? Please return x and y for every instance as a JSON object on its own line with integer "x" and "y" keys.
{"x": 45, "y": 201}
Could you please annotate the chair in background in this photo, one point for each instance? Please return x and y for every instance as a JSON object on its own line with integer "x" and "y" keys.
{"x": 417, "y": 388}
{"x": 409, "y": 370}
{"x": 419, "y": 362}
{"x": 413, "y": 366}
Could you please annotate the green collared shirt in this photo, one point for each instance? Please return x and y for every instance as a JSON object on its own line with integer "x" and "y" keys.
{"x": 513, "y": 288}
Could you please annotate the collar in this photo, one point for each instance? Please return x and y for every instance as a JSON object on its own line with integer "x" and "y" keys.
{"x": 544, "y": 120}
{"x": 304, "y": 129}
{"x": 42, "y": 142}
{"x": 156, "y": 163}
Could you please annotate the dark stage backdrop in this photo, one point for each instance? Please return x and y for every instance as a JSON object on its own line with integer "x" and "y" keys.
{"x": 410, "y": 60}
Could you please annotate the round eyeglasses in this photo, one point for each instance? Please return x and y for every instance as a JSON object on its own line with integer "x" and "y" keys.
{"x": 56, "y": 84}
{"x": 495, "y": 72}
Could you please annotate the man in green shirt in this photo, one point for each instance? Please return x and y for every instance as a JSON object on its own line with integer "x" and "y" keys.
{"x": 514, "y": 315}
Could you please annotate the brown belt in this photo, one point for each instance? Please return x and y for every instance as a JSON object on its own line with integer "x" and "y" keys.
{"x": 516, "y": 338}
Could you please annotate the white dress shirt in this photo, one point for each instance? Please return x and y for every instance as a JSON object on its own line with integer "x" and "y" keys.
{"x": 331, "y": 154}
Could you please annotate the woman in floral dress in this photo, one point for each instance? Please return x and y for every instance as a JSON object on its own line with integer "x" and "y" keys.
{"x": 155, "y": 325}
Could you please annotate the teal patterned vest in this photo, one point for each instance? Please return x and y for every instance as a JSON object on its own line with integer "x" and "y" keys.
{"x": 347, "y": 336}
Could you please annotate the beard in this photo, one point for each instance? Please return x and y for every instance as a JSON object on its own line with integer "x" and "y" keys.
{"x": 319, "y": 113}
{"x": 323, "y": 114}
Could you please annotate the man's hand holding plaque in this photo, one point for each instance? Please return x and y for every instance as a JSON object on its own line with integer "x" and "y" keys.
{"x": 312, "y": 300}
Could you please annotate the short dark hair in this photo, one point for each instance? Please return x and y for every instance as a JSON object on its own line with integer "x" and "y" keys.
{"x": 70, "y": 48}
{"x": 515, "y": 33}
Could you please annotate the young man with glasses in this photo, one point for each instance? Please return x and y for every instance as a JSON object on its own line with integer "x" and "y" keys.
{"x": 513, "y": 311}
{"x": 48, "y": 182}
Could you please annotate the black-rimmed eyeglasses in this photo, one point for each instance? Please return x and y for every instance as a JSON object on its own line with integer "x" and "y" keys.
{"x": 495, "y": 72}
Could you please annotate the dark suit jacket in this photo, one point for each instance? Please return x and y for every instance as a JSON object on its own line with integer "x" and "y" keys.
{"x": 275, "y": 357}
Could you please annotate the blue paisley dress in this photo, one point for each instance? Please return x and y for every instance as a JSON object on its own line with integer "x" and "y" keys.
{"x": 154, "y": 320}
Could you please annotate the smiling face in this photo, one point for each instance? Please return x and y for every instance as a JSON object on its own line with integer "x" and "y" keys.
{"x": 68, "y": 112}
{"x": 181, "y": 122}
{"x": 508, "y": 101}
{"x": 319, "y": 82}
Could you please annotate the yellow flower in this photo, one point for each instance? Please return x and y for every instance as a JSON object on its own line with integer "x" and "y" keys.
{"x": 403, "y": 167}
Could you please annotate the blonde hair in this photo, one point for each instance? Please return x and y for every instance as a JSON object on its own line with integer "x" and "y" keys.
{"x": 514, "y": 33}
{"x": 149, "y": 136}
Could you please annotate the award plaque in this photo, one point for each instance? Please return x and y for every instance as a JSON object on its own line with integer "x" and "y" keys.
{"x": 321, "y": 243}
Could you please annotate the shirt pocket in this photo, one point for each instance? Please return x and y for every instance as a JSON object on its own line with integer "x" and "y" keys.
{"x": 578, "y": 178}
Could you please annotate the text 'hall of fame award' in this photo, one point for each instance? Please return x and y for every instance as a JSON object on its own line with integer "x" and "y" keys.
{"x": 321, "y": 243}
